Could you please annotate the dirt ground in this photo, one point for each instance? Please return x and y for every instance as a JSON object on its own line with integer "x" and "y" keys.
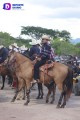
{"x": 37, "y": 109}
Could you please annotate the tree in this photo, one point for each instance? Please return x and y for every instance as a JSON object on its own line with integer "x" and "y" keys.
{"x": 77, "y": 45}
{"x": 37, "y": 32}
{"x": 65, "y": 35}
{"x": 63, "y": 47}
{"x": 6, "y": 40}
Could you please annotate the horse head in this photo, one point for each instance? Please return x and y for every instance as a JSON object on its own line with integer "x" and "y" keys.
{"x": 11, "y": 59}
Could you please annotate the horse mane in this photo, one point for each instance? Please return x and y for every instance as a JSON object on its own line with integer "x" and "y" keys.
{"x": 22, "y": 57}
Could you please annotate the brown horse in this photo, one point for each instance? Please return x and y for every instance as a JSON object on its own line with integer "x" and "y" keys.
{"x": 3, "y": 72}
{"x": 61, "y": 74}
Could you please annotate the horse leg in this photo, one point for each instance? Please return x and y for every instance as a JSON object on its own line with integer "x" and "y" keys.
{"x": 3, "y": 81}
{"x": 21, "y": 94}
{"x": 15, "y": 96}
{"x": 60, "y": 100}
{"x": 41, "y": 91}
{"x": 10, "y": 79}
{"x": 28, "y": 86}
{"x": 53, "y": 96}
{"x": 38, "y": 91}
{"x": 64, "y": 95}
{"x": 67, "y": 87}
{"x": 47, "y": 97}
{"x": 19, "y": 88}
{"x": 64, "y": 100}
{"x": 24, "y": 93}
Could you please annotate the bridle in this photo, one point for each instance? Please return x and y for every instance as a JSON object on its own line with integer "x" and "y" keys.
{"x": 11, "y": 64}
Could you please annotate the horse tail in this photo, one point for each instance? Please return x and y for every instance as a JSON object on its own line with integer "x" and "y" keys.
{"x": 69, "y": 82}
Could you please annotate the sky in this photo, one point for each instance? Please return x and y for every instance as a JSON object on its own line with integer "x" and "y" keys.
{"x": 51, "y": 14}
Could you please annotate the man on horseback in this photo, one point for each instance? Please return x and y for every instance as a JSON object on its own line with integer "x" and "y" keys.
{"x": 15, "y": 47}
{"x": 44, "y": 56}
{"x": 34, "y": 50}
{"x": 3, "y": 54}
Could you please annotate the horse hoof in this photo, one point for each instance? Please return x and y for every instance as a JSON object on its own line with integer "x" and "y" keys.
{"x": 12, "y": 100}
{"x": 18, "y": 99}
{"x": 1, "y": 88}
{"x": 58, "y": 106}
{"x": 62, "y": 106}
{"x": 41, "y": 97}
{"x": 26, "y": 103}
{"x": 38, "y": 97}
{"x": 51, "y": 102}
{"x": 23, "y": 98}
{"x": 47, "y": 101}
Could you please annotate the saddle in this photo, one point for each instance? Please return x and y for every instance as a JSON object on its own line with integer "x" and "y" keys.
{"x": 49, "y": 64}
{"x": 46, "y": 67}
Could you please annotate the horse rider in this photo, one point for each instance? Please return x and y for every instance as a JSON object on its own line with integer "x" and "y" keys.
{"x": 23, "y": 50}
{"x": 44, "y": 56}
{"x": 34, "y": 50}
{"x": 15, "y": 47}
{"x": 3, "y": 54}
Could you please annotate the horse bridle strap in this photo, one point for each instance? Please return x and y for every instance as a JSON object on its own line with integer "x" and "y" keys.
{"x": 14, "y": 61}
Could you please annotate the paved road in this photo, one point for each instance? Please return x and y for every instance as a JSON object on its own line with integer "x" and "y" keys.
{"x": 37, "y": 109}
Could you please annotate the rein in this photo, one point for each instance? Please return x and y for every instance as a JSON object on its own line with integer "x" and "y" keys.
{"x": 14, "y": 61}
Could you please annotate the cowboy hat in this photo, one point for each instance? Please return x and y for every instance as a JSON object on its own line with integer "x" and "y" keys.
{"x": 23, "y": 47}
{"x": 15, "y": 45}
{"x": 34, "y": 42}
{"x": 10, "y": 47}
{"x": 39, "y": 42}
{"x": 45, "y": 37}
{"x": 1, "y": 46}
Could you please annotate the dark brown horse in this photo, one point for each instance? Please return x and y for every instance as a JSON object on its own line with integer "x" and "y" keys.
{"x": 61, "y": 74}
{"x": 3, "y": 72}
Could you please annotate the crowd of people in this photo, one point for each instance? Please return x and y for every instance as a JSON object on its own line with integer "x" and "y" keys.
{"x": 36, "y": 46}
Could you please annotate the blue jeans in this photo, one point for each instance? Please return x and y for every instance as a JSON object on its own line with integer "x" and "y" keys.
{"x": 36, "y": 68}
